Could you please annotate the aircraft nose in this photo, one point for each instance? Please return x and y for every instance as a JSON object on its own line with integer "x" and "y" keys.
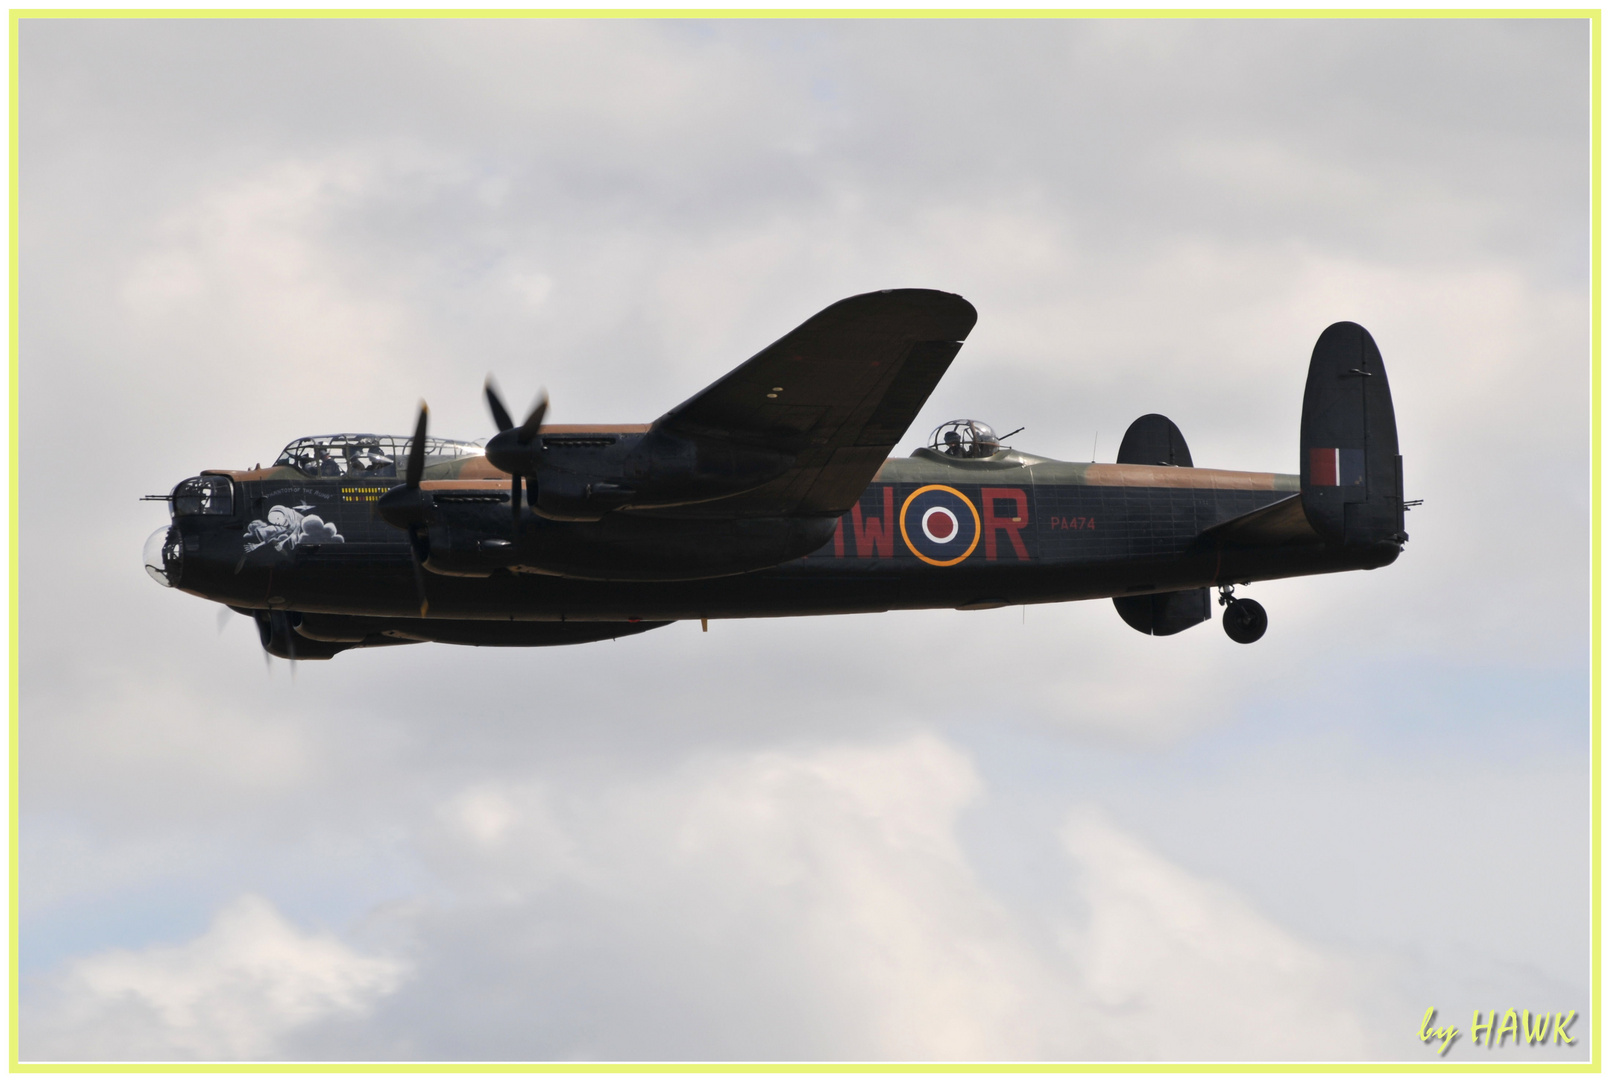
{"x": 164, "y": 556}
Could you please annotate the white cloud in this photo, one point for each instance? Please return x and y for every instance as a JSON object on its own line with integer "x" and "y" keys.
{"x": 139, "y": 733}
{"x": 1181, "y": 968}
{"x": 819, "y": 902}
{"x": 232, "y": 993}
{"x": 257, "y": 270}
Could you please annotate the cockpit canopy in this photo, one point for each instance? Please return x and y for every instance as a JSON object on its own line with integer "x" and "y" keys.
{"x": 965, "y": 439}
{"x": 367, "y": 455}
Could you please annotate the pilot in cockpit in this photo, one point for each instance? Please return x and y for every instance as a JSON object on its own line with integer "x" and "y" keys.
{"x": 952, "y": 445}
{"x": 327, "y": 466}
{"x": 374, "y": 462}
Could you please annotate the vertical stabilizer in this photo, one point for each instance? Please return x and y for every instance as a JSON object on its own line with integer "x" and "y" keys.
{"x": 1154, "y": 440}
{"x": 1350, "y": 469}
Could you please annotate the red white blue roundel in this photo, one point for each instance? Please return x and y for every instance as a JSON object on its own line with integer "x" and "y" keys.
{"x": 940, "y": 525}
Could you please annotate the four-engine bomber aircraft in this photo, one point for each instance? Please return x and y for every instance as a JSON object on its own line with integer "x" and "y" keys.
{"x": 771, "y": 493}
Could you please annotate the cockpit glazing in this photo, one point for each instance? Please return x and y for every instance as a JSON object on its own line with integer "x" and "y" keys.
{"x": 366, "y": 455}
{"x": 965, "y": 439}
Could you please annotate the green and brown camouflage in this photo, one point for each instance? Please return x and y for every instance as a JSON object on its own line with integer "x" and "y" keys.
{"x": 772, "y": 494}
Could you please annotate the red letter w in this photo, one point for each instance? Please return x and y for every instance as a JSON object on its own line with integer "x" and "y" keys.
{"x": 873, "y": 537}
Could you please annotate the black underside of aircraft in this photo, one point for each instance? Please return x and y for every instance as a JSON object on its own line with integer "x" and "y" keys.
{"x": 771, "y": 493}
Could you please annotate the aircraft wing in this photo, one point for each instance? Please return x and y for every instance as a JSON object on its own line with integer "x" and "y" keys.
{"x": 1274, "y": 525}
{"x": 834, "y": 396}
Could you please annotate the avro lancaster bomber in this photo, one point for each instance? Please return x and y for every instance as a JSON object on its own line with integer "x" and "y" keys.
{"x": 771, "y": 493}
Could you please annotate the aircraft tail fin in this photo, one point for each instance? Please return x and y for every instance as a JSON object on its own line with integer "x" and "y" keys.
{"x": 1351, "y": 485}
{"x": 1154, "y": 440}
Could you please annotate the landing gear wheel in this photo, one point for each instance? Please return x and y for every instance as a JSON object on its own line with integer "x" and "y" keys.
{"x": 1244, "y": 620}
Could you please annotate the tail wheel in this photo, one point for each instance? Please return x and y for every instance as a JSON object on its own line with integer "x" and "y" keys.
{"x": 1244, "y": 621}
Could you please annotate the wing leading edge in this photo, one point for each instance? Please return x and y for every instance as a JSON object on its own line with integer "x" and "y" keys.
{"x": 831, "y": 399}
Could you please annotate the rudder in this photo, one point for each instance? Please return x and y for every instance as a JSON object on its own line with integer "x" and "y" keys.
{"x": 1351, "y": 485}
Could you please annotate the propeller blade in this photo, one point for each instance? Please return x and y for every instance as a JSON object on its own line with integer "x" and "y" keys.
{"x": 407, "y": 505}
{"x": 416, "y": 449}
{"x": 533, "y": 422}
{"x": 513, "y": 498}
{"x": 498, "y": 412}
{"x": 418, "y": 569}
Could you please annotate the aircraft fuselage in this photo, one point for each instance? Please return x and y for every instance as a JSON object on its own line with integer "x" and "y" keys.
{"x": 929, "y": 532}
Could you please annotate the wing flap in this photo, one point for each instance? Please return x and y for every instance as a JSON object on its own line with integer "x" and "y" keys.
{"x": 907, "y": 392}
{"x": 844, "y": 478}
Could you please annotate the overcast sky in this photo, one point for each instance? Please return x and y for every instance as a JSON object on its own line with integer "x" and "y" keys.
{"x": 1015, "y": 834}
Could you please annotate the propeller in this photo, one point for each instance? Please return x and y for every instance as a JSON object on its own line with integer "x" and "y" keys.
{"x": 533, "y": 422}
{"x": 416, "y": 448}
{"x": 498, "y": 412}
{"x": 510, "y": 449}
{"x": 273, "y": 623}
{"x": 290, "y": 646}
{"x": 411, "y": 508}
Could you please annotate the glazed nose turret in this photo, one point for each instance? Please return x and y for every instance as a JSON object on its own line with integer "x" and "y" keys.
{"x": 164, "y": 556}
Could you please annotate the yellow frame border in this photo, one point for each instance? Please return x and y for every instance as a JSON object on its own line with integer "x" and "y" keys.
{"x": 1592, "y": 1064}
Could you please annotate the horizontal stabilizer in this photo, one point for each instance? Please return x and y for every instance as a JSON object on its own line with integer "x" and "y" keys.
{"x": 1284, "y": 522}
{"x": 1164, "y": 614}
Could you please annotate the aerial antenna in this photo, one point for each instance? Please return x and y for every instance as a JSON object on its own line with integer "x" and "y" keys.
{"x": 1096, "y": 452}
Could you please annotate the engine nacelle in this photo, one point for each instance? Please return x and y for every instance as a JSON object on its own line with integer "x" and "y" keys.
{"x": 567, "y": 496}
{"x": 582, "y": 476}
{"x": 667, "y": 469}
{"x": 462, "y": 551}
{"x": 277, "y": 631}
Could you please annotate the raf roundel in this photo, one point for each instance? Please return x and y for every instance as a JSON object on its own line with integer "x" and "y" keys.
{"x": 944, "y": 529}
{"x": 940, "y": 526}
